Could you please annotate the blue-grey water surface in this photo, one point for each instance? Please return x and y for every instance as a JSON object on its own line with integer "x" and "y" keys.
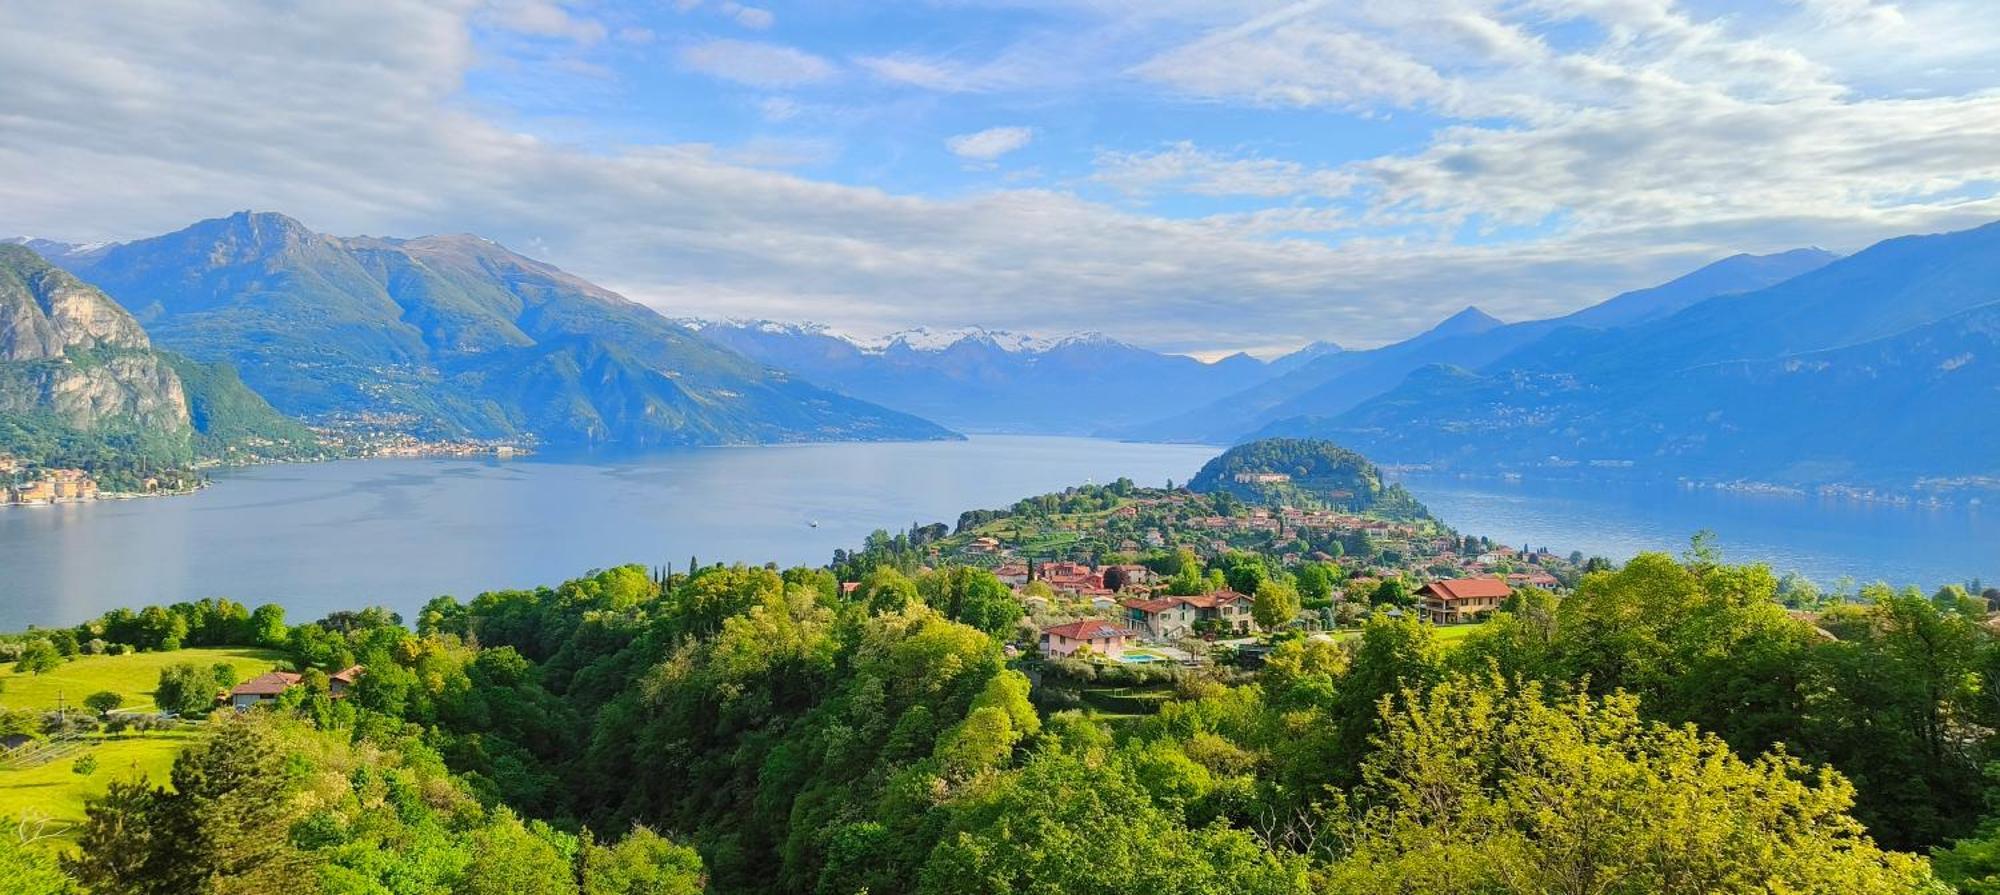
{"x": 317, "y": 537}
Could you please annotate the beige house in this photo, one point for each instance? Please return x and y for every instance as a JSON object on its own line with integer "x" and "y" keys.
{"x": 1166, "y": 618}
{"x": 1453, "y": 600}
{"x": 261, "y": 689}
{"x": 1101, "y": 637}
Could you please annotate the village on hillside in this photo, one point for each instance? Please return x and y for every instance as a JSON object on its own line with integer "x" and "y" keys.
{"x": 1099, "y": 569}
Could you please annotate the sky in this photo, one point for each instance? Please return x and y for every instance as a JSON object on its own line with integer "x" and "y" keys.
{"x": 1200, "y": 176}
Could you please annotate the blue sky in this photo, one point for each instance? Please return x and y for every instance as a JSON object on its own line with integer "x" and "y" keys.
{"x": 1193, "y": 175}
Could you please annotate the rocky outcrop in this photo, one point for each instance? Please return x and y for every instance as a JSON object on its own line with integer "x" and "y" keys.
{"x": 136, "y": 388}
{"x": 44, "y": 311}
{"x": 68, "y": 351}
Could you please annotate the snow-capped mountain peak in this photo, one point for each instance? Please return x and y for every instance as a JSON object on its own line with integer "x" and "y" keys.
{"x": 920, "y": 339}
{"x": 924, "y": 338}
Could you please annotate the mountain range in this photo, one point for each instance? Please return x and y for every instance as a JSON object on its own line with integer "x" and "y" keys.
{"x": 1798, "y": 367}
{"x": 455, "y": 336}
{"x": 1330, "y": 385}
{"x": 995, "y": 381}
{"x": 1877, "y": 368}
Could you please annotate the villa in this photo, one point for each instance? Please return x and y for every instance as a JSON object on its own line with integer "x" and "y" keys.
{"x": 1098, "y": 636}
{"x": 261, "y": 689}
{"x": 1452, "y": 600}
{"x": 1163, "y": 618}
{"x": 270, "y": 685}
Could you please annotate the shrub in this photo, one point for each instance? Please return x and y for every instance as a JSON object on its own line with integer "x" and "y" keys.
{"x": 38, "y": 657}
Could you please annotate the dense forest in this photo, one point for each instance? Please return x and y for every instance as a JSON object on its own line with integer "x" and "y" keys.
{"x": 1666, "y": 727}
{"x": 1306, "y": 472}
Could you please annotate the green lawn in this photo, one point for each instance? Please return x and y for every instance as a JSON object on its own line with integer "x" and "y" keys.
{"x": 132, "y": 676}
{"x": 1452, "y": 635}
{"x": 1126, "y": 703}
{"x": 1448, "y": 636}
{"x": 53, "y": 792}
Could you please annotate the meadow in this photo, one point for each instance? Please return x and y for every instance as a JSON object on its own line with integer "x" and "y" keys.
{"x": 54, "y": 792}
{"x": 132, "y": 676}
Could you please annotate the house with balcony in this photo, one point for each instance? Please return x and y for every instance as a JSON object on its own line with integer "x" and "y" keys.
{"x": 1449, "y": 601}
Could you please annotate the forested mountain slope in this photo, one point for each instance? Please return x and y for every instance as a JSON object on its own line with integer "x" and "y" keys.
{"x": 459, "y": 335}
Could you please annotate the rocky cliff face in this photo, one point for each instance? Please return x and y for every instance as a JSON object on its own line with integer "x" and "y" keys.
{"x": 68, "y": 350}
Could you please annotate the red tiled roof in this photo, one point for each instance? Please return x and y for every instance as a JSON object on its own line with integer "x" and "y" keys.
{"x": 1088, "y": 629}
{"x": 1468, "y": 588}
{"x": 1157, "y": 604}
{"x": 1212, "y": 600}
{"x": 270, "y": 683}
{"x": 347, "y": 675}
{"x": 1199, "y": 601}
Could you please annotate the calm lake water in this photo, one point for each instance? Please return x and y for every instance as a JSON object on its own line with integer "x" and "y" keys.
{"x": 317, "y": 537}
{"x": 1824, "y": 539}
{"x": 398, "y": 532}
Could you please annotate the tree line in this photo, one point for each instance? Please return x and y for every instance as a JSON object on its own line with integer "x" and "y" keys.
{"x": 1668, "y": 727}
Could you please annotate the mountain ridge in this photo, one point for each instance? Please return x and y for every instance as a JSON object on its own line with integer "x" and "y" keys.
{"x": 1327, "y": 386}
{"x": 988, "y": 380}
{"x": 418, "y": 328}
{"x": 1874, "y": 369}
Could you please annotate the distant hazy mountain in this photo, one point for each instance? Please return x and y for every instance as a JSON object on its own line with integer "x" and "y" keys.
{"x": 993, "y": 381}
{"x": 458, "y": 335}
{"x": 1330, "y": 385}
{"x": 81, "y": 384}
{"x": 1303, "y": 356}
{"x": 1331, "y": 379}
{"x": 1737, "y": 273}
{"x": 1877, "y": 368}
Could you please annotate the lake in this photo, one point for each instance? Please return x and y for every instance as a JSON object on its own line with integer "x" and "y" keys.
{"x": 324, "y": 536}
{"x": 1822, "y": 538}
{"x": 317, "y": 537}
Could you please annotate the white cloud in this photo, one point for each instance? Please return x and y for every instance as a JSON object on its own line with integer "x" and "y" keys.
{"x": 926, "y": 73}
{"x": 1668, "y": 123}
{"x": 750, "y": 16}
{"x": 756, "y": 64}
{"x": 1186, "y": 168}
{"x": 778, "y": 108}
{"x": 545, "y": 19}
{"x": 991, "y": 143}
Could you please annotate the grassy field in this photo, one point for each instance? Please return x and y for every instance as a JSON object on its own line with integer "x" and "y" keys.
{"x": 1448, "y": 636}
{"x": 54, "y": 792}
{"x": 132, "y": 676}
{"x": 1452, "y": 635}
{"x": 1126, "y": 703}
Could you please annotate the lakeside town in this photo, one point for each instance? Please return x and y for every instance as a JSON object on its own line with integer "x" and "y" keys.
{"x": 23, "y": 483}
{"x": 21, "y": 486}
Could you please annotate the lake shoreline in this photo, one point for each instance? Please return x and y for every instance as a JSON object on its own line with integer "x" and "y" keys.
{"x": 316, "y": 536}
